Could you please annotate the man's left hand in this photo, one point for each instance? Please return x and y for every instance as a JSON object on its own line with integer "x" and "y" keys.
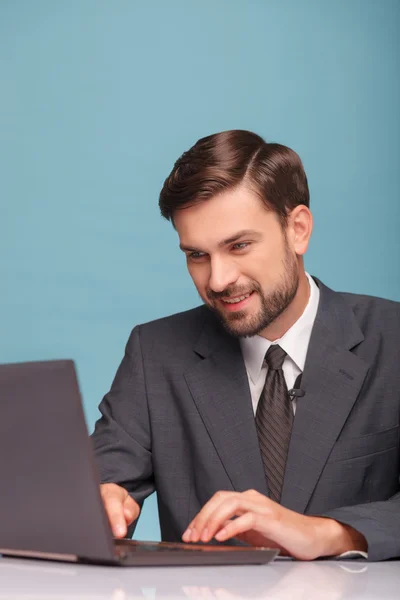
{"x": 259, "y": 521}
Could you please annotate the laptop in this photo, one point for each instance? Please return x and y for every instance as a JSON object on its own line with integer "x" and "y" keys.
{"x": 50, "y": 503}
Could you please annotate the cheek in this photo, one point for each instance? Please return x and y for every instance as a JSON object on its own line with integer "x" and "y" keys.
{"x": 265, "y": 267}
{"x": 199, "y": 277}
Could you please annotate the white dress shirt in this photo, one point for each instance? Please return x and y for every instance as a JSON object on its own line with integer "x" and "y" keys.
{"x": 294, "y": 342}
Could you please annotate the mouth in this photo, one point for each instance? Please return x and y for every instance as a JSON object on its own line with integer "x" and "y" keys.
{"x": 236, "y": 303}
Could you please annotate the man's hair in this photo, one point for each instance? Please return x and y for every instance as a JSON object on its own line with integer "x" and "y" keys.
{"x": 222, "y": 161}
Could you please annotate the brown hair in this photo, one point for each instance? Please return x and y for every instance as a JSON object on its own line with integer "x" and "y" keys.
{"x": 222, "y": 161}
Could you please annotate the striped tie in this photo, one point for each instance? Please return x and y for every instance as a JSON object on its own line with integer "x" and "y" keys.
{"x": 274, "y": 420}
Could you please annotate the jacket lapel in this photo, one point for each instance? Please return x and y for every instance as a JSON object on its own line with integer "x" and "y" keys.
{"x": 332, "y": 379}
{"x": 220, "y": 390}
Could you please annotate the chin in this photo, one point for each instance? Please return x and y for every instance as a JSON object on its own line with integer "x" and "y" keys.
{"x": 240, "y": 326}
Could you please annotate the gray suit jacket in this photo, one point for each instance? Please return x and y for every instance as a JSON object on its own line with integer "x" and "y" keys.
{"x": 179, "y": 419}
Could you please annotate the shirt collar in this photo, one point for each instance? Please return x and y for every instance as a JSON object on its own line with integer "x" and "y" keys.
{"x": 294, "y": 342}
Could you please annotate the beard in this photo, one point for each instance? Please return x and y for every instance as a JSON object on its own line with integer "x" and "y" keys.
{"x": 240, "y": 324}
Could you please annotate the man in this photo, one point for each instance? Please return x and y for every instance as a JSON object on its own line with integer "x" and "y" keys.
{"x": 200, "y": 408}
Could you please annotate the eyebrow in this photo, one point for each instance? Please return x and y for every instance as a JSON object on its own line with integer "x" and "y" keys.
{"x": 234, "y": 238}
{"x": 240, "y": 234}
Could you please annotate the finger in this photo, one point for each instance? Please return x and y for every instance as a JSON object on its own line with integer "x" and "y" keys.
{"x": 235, "y": 505}
{"x": 115, "y": 512}
{"x": 195, "y": 529}
{"x": 186, "y": 535}
{"x": 243, "y": 524}
{"x": 131, "y": 510}
{"x": 245, "y": 528}
{"x": 230, "y": 508}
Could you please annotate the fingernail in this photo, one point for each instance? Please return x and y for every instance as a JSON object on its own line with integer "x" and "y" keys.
{"x": 220, "y": 535}
{"x": 119, "y": 530}
{"x": 194, "y": 536}
{"x": 186, "y": 535}
{"x": 204, "y": 535}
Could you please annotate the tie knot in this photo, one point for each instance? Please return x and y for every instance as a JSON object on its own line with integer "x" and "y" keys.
{"x": 275, "y": 357}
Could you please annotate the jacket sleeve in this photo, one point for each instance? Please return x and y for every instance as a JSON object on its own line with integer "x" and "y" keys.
{"x": 122, "y": 436}
{"x": 379, "y": 522}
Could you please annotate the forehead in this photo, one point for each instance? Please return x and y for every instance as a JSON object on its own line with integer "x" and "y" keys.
{"x": 223, "y": 216}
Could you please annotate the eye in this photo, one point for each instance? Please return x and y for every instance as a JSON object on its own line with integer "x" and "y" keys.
{"x": 240, "y": 245}
{"x": 196, "y": 255}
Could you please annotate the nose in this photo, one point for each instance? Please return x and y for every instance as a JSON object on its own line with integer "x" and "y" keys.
{"x": 223, "y": 274}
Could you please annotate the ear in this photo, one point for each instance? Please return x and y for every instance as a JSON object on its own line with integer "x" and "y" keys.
{"x": 299, "y": 228}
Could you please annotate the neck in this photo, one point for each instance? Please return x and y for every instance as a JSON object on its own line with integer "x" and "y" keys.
{"x": 291, "y": 314}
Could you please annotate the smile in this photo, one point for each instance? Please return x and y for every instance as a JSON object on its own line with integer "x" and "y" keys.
{"x": 237, "y": 303}
{"x": 237, "y": 299}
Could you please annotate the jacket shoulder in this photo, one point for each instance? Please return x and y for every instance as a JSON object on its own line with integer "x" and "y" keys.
{"x": 187, "y": 318}
{"x": 371, "y": 303}
{"x": 177, "y": 330}
{"x": 372, "y": 311}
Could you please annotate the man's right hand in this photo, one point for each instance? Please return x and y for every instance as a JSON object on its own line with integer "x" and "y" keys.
{"x": 121, "y": 508}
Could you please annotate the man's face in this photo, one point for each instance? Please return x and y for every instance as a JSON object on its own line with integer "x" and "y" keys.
{"x": 239, "y": 259}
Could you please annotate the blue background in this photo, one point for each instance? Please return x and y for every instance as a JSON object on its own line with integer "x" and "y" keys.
{"x": 98, "y": 98}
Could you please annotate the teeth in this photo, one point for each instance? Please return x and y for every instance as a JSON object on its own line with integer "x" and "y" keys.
{"x": 236, "y": 300}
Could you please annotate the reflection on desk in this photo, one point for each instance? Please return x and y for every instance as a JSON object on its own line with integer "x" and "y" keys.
{"x": 281, "y": 580}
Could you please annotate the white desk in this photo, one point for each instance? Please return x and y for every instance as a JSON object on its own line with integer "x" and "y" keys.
{"x": 282, "y": 580}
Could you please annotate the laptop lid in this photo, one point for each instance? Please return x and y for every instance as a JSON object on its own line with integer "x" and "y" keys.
{"x": 50, "y": 501}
